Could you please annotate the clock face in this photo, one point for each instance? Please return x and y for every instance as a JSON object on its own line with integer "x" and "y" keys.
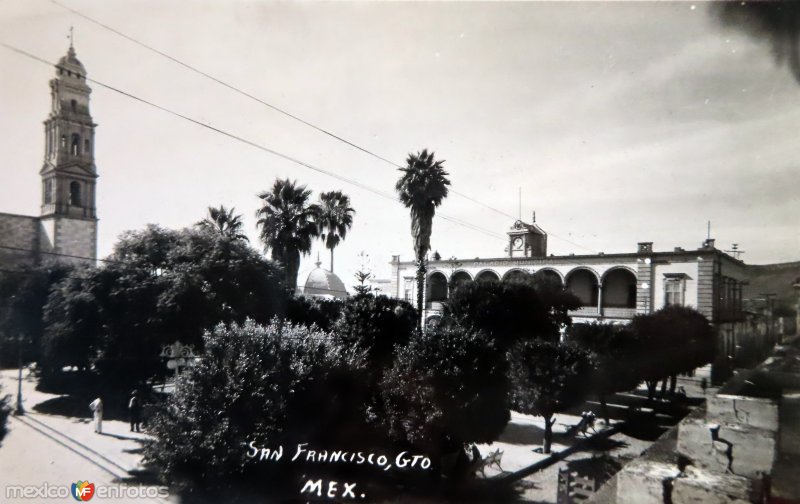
{"x": 517, "y": 243}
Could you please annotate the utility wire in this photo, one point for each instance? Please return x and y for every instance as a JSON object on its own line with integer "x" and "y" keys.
{"x": 281, "y": 111}
{"x": 257, "y": 145}
{"x": 58, "y": 254}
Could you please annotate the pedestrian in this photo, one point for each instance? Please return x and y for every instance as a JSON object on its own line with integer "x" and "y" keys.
{"x": 97, "y": 408}
{"x": 135, "y": 411}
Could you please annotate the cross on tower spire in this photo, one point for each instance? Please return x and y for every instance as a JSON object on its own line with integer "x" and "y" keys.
{"x": 71, "y": 38}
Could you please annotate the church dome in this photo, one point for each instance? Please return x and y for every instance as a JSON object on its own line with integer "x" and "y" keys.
{"x": 322, "y": 283}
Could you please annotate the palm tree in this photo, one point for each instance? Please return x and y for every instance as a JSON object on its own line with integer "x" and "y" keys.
{"x": 334, "y": 219}
{"x": 223, "y": 221}
{"x": 287, "y": 225}
{"x": 421, "y": 188}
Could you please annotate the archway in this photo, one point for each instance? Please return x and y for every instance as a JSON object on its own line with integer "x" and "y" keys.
{"x": 487, "y": 275}
{"x": 583, "y": 283}
{"x": 619, "y": 289}
{"x": 437, "y": 287}
{"x": 516, "y": 275}
{"x": 549, "y": 277}
{"x": 458, "y": 279}
{"x": 75, "y": 193}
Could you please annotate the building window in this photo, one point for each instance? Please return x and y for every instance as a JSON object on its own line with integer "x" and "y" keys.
{"x": 75, "y": 193}
{"x": 674, "y": 289}
{"x": 63, "y": 141}
{"x": 76, "y": 144}
{"x": 74, "y": 105}
{"x": 48, "y": 191}
{"x": 86, "y": 146}
{"x": 408, "y": 290}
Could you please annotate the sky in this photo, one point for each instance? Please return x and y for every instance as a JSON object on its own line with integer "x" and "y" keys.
{"x": 616, "y": 122}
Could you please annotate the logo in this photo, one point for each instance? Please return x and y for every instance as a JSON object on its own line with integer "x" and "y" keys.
{"x": 82, "y": 491}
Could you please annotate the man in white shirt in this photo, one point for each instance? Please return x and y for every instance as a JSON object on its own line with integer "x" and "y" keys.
{"x": 97, "y": 407}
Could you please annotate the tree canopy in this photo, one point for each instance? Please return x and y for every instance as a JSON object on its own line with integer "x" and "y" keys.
{"x": 335, "y": 218}
{"x": 421, "y": 188}
{"x": 224, "y": 222}
{"x": 447, "y": 388}
{"x": 159, "y": 286}
{"x": 548, "y": 377}
{"x": 288, "y": 224}
{"x": 511, "y": 311}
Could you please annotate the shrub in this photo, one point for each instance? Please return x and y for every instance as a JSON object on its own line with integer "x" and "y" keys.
{"x": 447, "y": 388}
{"x": 274, "y": 385}
{"x": 376, "y": 325}
{"x": 320, "y": 312}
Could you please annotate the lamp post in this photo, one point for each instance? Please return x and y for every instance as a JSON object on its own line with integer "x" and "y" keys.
{"x": 19, "y": 410}
{"x": 179, "y": 356}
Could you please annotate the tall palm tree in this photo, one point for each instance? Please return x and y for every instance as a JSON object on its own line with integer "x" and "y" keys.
{"x": 223, "y": 221}
{"x": 334, "y": 219}
{"x": 421, "y": 188}
{"x": 287, "y": 224}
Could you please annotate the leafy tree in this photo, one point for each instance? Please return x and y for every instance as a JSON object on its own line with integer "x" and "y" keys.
{"x": 322, "y": 313}
{"x": 287, "y": 224}
{"x": 548, "y": 377}
{"x": 615, "y": 353}
{"x": 511, "y": 311}
{"x": 73, "y": 318}
{"x": 224, "y": 222}
{"x": 422, "y": 187}
{"x": 334, "y": 219}
{"x": 376, "y": 325}
{"x": 275, "y": 385}
{"x": 159, "y": 286}
{"x": 447, "y": 388}
{"x": 23, "y": 294}
{"x": 670, "y": 341}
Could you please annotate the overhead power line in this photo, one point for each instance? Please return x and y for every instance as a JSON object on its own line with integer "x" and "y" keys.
{"x": 280, "y": 110}
{"x": 251, "y": 143}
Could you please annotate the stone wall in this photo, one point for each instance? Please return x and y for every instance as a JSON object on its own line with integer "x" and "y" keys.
{"x": 18, "y": 232}
{"x": 742, "y": 447}
{"x": 74, "y": 237}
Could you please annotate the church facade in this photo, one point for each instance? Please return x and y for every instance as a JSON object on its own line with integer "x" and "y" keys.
{"x": 66, "y": 227}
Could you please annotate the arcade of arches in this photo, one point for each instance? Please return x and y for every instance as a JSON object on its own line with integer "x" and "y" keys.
{"x": 615, "y": 290}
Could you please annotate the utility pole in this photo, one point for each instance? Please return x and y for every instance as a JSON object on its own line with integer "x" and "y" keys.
{"x": 20, "y": 410}
{"x": 734, "y": 251}
{"x": 769, "y": 297}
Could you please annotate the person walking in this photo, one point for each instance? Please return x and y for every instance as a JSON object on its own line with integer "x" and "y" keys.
{"x": 97, "y": 408}
{"x": 135, "y": 411}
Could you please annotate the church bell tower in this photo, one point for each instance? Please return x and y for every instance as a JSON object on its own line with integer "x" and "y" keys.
{"x": 69, "y": 175}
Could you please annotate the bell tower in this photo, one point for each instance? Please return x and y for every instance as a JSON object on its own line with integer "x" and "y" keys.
{"x": 69, "y": 175}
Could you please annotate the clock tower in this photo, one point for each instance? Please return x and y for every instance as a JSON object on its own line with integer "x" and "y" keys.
{"x": 527, "y": 240}
{"x": 69, "y": 175}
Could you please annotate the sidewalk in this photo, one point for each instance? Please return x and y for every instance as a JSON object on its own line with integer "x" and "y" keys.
{"x": 60, "y": 450}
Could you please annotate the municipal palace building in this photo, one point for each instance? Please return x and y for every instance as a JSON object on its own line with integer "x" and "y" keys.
{"x": 612, "y": 288}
